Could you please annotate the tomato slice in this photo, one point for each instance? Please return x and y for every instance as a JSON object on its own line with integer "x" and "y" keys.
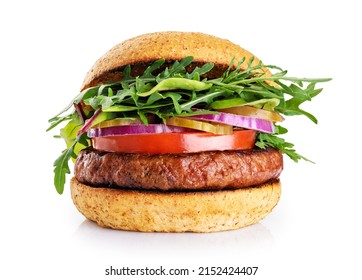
{"x": 176, "y": 143}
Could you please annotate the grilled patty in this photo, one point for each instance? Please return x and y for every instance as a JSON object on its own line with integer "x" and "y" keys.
{"x": 199, "y": 171}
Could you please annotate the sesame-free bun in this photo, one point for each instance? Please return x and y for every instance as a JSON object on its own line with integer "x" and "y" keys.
{"x": 152, "y": 211}
{"x": 140, "y": 51}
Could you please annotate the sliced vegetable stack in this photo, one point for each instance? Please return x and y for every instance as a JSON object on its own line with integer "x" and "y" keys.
{"x": 164, "y": 105}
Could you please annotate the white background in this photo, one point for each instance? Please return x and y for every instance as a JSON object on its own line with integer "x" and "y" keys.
{"x": 313, "y": 233}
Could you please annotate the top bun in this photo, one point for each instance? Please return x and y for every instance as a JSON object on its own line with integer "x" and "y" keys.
{"x": 140, "y": 51}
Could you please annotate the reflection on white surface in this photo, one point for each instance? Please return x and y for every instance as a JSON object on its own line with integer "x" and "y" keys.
{"x": 256, "y": 237}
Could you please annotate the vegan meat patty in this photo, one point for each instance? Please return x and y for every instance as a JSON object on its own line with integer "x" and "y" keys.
{"x": 197, "y": 171}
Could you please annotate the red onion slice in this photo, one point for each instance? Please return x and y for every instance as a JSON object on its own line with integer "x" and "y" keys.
{"x": 238, "y": 121}
{"x": 135, "y": 129}
{"x": 89, "y": 122}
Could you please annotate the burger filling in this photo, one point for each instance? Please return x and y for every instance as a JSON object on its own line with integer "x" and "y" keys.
{"x": 176, "y": 127}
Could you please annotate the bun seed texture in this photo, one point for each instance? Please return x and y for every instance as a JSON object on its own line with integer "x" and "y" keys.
{"x": 179, "y": 132}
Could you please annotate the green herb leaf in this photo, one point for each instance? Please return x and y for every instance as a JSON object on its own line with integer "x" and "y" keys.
{"x": 57, "y": 120}
{"x": 177, "y": 68}
{"x": 197, "y": 72}
{"x": 154, "y": 66}
{"x": 176, "y": 83}
{"x": 273, "y": 140}
{"x": 61, "y": 167}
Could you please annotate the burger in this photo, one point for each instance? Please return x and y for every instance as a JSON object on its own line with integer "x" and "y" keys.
{"x": 179, "y": 132}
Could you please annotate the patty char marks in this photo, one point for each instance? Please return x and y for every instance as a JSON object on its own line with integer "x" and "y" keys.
{"x": 197, "y": 171}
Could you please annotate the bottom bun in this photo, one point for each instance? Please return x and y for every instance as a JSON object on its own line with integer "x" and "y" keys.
{"x": 151, "y": 211}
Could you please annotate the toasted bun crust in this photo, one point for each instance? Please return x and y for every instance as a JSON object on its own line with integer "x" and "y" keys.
{"x": 175, "y": 211}
{"x": 171, "y": 46}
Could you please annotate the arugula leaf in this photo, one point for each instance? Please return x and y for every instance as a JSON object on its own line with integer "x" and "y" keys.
{"x": 61, "y": 167}
{"x": 197, "y": 72}
{"x": 202, "y": 98}
{"x": 291, "y": 106}
{"x": 154, "y": 66}
{"x": 273, "y": 140}
{"x": 55, "y": 121}
{"x": 177, "y": 67}
{"x": 175, "y": 97}
{"x": 176, "y": 83}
